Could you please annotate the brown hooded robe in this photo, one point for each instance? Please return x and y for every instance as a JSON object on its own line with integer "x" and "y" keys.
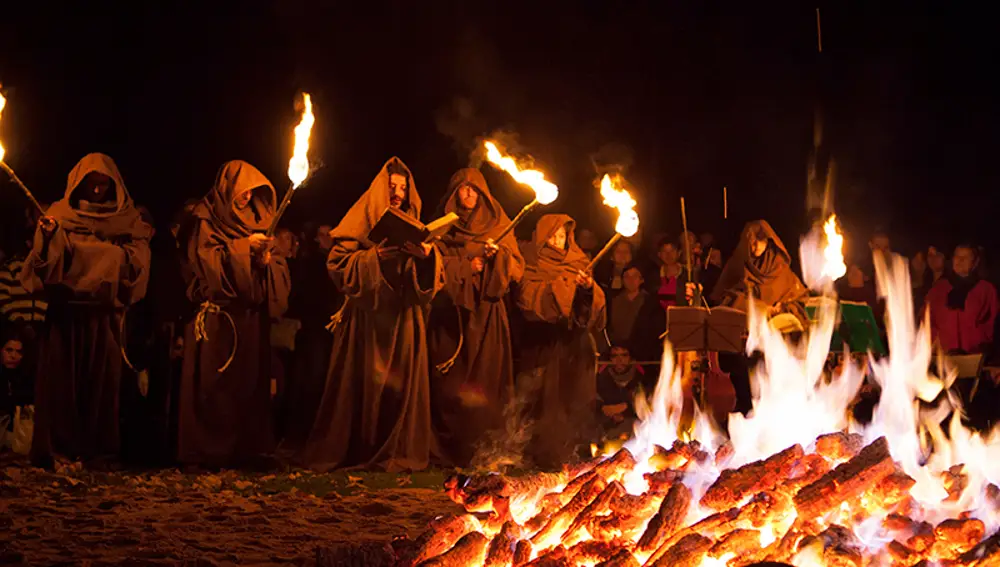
{"x": 375, "y": 410}
{"x": 767, "y": 278}
{"x": 224, "y": 416}
{"x": 93, "y": 268}
{"x": 470, "y": 396}
{"x": 558, "y": 357}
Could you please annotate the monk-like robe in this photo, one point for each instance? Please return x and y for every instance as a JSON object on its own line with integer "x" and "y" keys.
{"x": 558, "y": 356}
{"x": 224, "y": 416}
{"x": 472, "y": 384}
{"x": 93, "y": 267}
{"x": 375, "y": 410}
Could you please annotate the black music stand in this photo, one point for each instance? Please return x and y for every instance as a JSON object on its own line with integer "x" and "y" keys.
{"x": 719, "y": 329}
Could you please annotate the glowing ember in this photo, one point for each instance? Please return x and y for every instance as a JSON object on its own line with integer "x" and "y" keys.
{"x": 545, "y": 191}
{"x": 3, "y": 103}
{"x": 298, "y": 165}
{"x": 615, "y": 195}
{"x": 796, "y": 482}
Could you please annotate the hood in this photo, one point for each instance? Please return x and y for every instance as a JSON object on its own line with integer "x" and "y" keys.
{"x": 234, "y": 179}
{"x": 366, "y": 212}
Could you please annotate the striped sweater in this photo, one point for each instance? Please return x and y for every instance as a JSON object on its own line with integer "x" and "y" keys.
{"x": 16, "y": 303}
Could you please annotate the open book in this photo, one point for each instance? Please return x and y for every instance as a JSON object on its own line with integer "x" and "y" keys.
{"x": 398, "y": 228}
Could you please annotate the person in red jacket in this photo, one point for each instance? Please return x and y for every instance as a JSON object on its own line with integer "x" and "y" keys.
{"x": 963, "y": 306}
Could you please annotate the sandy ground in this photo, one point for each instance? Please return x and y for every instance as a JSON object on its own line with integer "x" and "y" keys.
{"x": 78, "y": 517}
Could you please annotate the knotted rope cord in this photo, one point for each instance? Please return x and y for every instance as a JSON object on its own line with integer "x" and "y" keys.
{"x": 445, "y": 366}
{"x": 122, "y": 342}
{"x": 201, "y": 334}
{"x": 337, "y": 317}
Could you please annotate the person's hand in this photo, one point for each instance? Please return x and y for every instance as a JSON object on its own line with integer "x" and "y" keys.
{"x": 690, "y": 289}
{"x": 48, "y": 225}
{"x": 477, "y": 265}
{"x": 775, "y": 309}
{"x": 584, "y": 280}
{"x": 386, "y": 252}
{"x": 143, "y": 382}
{"x": 422, "y": 250}
{"x": 491, "y": 248}
{"x": 259, "y": 241}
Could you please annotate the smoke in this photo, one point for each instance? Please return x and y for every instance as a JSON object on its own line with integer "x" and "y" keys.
{"x": 612, "y": 159}
{"x": 504, "y": 448}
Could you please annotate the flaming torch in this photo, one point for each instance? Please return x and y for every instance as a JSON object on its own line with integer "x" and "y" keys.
{"x": 822, "y": 256}
{"x": 13, "y": 176}
{"x": 298, "y": 165}
{"x": 615, "y": 195}
{"x": 545, "y": 190}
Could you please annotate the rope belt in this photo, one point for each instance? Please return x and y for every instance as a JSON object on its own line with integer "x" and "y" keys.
{"x": 445, "y": 366}
{"x": 122, "y": 340}
{"x": 337, "y": 317}
{"x": 201, "y": 334}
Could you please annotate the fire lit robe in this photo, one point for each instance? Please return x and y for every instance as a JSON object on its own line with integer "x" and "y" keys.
{"x": 375, "y": 410}
{"x": 469, "y": 397}
{"x": 224, "y": 416}
{"x": 558, "y": 355}
{"x": 93, "y": 268}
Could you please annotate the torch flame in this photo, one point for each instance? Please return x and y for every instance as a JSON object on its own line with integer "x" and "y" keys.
{"x": 3, "y": 102}
{"x": 298, "y": 165}
{"x": 545, "y": 190}
{"x": 615, "y": 195}
{"x": 833, "y": 254}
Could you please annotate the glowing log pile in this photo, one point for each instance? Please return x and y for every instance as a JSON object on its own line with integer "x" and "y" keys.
{"x": 794, "y": 504}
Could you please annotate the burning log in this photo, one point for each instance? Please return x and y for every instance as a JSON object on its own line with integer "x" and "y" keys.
{"x": 667, "y": 520}
{"x": 955, "y": 481}
{"x": 616, "y": 467}
{"x": 805, "y": 471}
{"x": 898, "y": 523}
{"x": 676, "y": 457}
{"x": 839, "y": 446}
{"x": 688, "y": 552}
{"x": 724, "y": 453}
{"x": 891, "y": 490}
{"x": 555, "y": 557}
{"x": 592, "y": 551}
{"x": 661, "y": 480}
{"x": 764, "y": 507}
{"x": 642, "y": 505}
{"x": 441, "y": 536}
{"x": 848, "y": 480}
{"x": 903, "y": 555}
{"x": 561, "y": 519}
{"x": 738, "y": 541}
{"x": 733, "y": 486}
{"x": 470, "y": 550}
{"x": 501, "y": 550}
{"x": 922, "y": 539}
{"x": 955, "y": 537}
{"x": 522, "y": 553}
{"x": 623, "y": 558}
{"x": 599, "y": 505}
{"x": 986, "y": 554}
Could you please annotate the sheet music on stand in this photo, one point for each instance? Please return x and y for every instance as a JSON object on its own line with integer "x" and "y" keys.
{"x": 719, "y": 329}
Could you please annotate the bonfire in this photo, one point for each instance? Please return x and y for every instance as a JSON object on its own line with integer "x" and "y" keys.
{"x": 795, "y": 481}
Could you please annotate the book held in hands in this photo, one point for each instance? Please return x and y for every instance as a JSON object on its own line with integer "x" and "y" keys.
{"x": 397, "y": 228}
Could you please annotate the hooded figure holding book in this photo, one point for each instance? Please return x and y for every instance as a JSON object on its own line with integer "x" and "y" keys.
{"x": 91, "y": 255}
{"x": 235, "y": 288}
{"x": 375, "y": 410}
{"x": 561, "y": 307}
{"x": 470, "y": 346}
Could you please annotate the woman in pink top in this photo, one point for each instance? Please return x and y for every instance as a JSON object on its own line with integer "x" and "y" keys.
{"x": 963, "y": 306}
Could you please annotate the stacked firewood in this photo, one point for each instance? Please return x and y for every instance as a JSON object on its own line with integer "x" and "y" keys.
{"x": 768, "y": 510}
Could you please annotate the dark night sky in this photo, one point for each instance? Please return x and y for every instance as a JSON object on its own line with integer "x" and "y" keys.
{"x": 691, "y": 96}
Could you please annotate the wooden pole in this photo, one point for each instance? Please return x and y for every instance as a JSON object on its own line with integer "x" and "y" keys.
{"x": 607, "y": 247}
{"x": 17, "y": 181}
{"x": 281, "y": 210}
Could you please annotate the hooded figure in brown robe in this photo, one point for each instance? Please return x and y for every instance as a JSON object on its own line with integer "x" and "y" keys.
{"x": 760, "y": 269}
{"x": 561, "y": 308}
{"x": 473, "y": 377}
{"x": 235, "y": 287}
{"x": 91, "y": 255}
{"x": 375, "y": 410}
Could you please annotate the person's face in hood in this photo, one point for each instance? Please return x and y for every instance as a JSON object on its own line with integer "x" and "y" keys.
{"x": 397, "y": 190}
{"x": 758, "y": 247}
{"x": 468, "y": 197}
{"x": 242, "y": 201}
{"x": 12, "y": 354}
{"x": 96, "y": 187}
{"x": 558, "y": 239}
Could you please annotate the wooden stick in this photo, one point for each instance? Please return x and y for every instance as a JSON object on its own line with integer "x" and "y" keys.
{"x": 281, "y": 210}
{"x": 520, "y": 216}
{"x": 17, "y": 181}
{"x": 614, "y": 240}
{"x": 819, "y": 33}
{"x": 725, "y": 203}
{"x": 687, "y": 241}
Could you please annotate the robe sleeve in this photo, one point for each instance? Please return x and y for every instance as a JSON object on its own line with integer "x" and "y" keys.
{"x": 46, "y": 264}
{"x": 279, "y": 286}
{"x": 506, "y": 268}
{"x": 428, "y": 276}
{"x": 134, "y": 272}
{"x": 225, "y": 269}
{"x": 589, "y": 309}
{"x": 355, "y": 270}
{"x": 549, "y": 301}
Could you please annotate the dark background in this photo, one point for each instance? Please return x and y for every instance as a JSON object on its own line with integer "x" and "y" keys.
{"x": 690, "y": 96}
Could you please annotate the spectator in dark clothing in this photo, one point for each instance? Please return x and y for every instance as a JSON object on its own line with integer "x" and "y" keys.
{"x": 618, "y": 383}
{"x": 926, "y": 268}
{"x": 17, "y": 378}
{"x": 608, "y": 273}
{"x": 636, "y": 318}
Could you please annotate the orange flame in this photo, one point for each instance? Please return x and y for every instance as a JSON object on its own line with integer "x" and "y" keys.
{"x": 615, "y": 195}
{"x": 298, "y": 165}
{"x": 833, "y": 253}
{"x": 3, "y": 103}
{"x": 545, "y": 190}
